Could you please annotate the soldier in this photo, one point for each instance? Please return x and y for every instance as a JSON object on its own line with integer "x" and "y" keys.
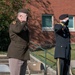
{"x": 62, "y": 48}
{"x": 18, "y": 52}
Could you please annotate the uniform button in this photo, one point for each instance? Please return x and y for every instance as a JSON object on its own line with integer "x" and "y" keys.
{"x": 61, "y": 46}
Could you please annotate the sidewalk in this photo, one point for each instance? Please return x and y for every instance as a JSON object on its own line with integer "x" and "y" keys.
{"x": 4, "y": 68}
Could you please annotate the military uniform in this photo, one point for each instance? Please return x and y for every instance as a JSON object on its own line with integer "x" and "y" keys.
{"x": 18, "y": 52}
{"x": 19, "y": 35}
{"x": 62, "y": 48}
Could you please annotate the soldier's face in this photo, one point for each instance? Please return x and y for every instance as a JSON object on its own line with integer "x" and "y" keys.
{"x": 65, "y": 21}
{"x": 22, "y": 16}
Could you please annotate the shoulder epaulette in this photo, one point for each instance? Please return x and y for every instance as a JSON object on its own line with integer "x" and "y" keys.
{"x": 61, "y": 24}
{"x": 14, "y": 22}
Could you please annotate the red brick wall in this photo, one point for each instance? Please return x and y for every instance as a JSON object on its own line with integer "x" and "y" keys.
{"x": 39, "y": 7}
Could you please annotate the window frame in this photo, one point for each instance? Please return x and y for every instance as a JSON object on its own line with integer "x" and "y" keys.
{"x": 72, "y": 29}
{"x": 48, "y": 28}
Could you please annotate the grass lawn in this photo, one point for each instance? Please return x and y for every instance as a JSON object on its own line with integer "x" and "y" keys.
{"x": 50, "y": 58}
{"x": 1, "y": 52}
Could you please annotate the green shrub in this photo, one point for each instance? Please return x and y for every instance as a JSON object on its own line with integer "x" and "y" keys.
{"x": 8, "y": 9}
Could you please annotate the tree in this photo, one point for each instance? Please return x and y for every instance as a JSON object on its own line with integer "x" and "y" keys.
{"x": 8, "y": 9}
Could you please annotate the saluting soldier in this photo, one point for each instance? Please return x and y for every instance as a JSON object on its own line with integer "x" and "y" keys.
{"x": 62, "y": 48}
{"x": 18, "y": 52}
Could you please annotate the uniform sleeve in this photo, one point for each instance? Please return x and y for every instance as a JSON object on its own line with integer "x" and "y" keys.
{"x": 57, "y": 28}
{"x": 18, "y": 26}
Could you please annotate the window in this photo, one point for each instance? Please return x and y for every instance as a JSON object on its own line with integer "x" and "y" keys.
{"x": 47, "y": 22}
{"x": 71, "y": 23}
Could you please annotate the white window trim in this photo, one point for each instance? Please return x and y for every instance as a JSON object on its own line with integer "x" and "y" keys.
{"x": 73, "y": 29}
{"x": 49, "y": 28}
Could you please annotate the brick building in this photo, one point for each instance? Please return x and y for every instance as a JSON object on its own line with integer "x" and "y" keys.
{"x": 44, "y": 14}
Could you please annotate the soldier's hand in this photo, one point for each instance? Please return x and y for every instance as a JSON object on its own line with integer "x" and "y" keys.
{"x": 22, "y": 17}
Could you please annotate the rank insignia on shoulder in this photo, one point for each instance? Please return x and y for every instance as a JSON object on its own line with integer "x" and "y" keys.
{"x": 14, "y": 22}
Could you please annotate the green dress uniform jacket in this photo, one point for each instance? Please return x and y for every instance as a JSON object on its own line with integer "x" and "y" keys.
{"x": 19, "y": 35}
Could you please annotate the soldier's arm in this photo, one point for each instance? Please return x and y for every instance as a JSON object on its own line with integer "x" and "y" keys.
{"x": 17, "y": 27}
{"x": 58, "y": 28}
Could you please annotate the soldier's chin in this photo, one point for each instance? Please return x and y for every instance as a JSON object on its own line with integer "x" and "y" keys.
{"x": 25, "y": 22}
